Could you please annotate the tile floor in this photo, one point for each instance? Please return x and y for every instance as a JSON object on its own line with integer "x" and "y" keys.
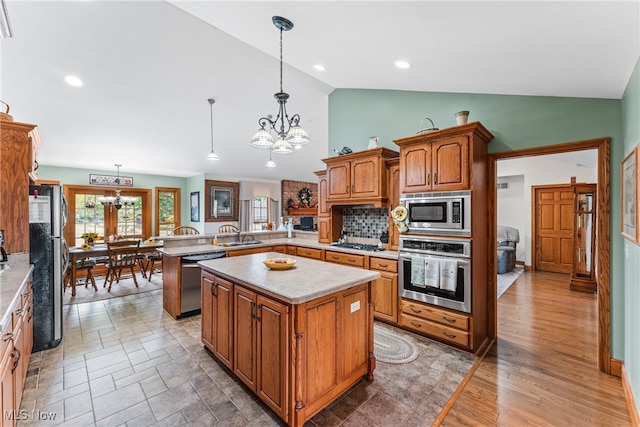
{"x": 125, "y": 362}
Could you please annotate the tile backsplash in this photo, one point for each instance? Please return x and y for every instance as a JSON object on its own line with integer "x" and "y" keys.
{"x": 368, "y": 223}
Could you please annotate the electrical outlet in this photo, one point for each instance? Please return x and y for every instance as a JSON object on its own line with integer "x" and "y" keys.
{"x": 202, "y": 241}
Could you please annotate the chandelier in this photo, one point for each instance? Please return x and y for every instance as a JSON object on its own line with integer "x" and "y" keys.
{"x": 289, "y": 132}
{"x": 117, "y": 201}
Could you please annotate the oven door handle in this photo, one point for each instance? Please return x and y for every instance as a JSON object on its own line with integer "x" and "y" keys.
{"x": 461, "y": 262}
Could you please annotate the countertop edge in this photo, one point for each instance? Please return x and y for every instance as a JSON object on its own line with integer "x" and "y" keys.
{"x": 13, "y": 285}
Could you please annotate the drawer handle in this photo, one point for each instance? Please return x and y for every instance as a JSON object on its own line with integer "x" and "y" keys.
{"x": 384, "y": 265}
{"x": 15, "y": 362}
{"x": 449, "y": 335}
{"x": 435, "y": 178}
{"x": 351, "y": 260}
{"x": 335, "y": 257}
{"x": 417, "y": 325}
{"x": 18, "y": 311}
{"x": 7, "y": 337}
{"x": 415, "y": 310}
{"x": 448, "y": 319}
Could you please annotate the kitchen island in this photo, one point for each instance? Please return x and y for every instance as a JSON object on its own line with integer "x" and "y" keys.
{"x": 297, "y": 338}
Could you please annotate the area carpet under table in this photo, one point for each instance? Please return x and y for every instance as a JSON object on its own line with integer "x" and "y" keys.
{"x": 123, "y": 288}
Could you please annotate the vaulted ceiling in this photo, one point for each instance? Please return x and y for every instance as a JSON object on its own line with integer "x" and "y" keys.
{"x": 149, "y": 67}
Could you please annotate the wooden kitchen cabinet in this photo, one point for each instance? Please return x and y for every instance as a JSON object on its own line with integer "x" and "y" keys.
{"x": 385, "y": 289}
{"x": 248, "y": 251}
{"x": 394, "y": 200}
{"x": 325, "y": 223}
{"x": 15, "y": 166}
{"x": 444, "y": 160}
{"x": 15, "y": 353}
{"x": 345, "y": 258}
{"x": 449, "y": 326}
{"x": 309, "y": 253}
{"x": 260, "y": 344}
{"x": 217, "y": 327}
{"x": 358, "y": 177}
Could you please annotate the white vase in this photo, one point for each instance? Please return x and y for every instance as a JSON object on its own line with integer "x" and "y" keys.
{"x": 462, "y": 117}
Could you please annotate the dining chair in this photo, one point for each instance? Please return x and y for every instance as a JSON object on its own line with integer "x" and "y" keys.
{"x": 123, "y": 254}
{"x": 152, "y": 258}
{"x": 85, "y": 264}
{"x": 228, "y": 228}
{"x": 185, "y": 230}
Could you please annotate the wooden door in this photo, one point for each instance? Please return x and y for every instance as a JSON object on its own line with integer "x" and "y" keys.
{"x": 244, "y": 365}
{"x": 365, "y": 177}
{"x": 339, "y": 180}
{"x": 553, "y": 228}
{"x": 9, "y": 410}
{"x": 324, "y": 229}
{"x": 206, "y": 319}
{"x": 450, "y": 164}
{"x": 271, "y": 354}
{"x": 223, "y": 321}
{"x": 415, "y": 167}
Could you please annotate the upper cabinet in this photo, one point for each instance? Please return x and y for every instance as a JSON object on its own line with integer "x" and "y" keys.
{"x": 358, "y": 177}
{"x": 441, "y": 160}
{"x": 15, "y": 166}
{"x": 36, "y": 143}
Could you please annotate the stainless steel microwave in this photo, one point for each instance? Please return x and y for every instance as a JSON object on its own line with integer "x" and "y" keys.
{"x": 443, "y": 213}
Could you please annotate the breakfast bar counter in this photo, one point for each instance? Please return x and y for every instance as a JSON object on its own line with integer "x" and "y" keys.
{"x": 298, "y": 338}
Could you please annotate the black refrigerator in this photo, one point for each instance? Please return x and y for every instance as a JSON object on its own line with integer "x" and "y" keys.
{"x": 49, "y": 255}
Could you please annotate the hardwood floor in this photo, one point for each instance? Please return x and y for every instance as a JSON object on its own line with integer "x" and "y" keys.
{"x": 542, "y": 368}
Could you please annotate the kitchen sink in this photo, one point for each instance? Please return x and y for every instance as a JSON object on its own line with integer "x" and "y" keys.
{"x": 251, "y": 242}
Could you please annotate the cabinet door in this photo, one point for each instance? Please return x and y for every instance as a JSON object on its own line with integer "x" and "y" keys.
{"x": 19, "y": 370}
{"x": 339, "y": 181}
{"x": 415, "y": 167}
{"x": 450, "y": 164}
{"x": 323, "y": 189}
{"x": 324, "y": 229}
{"x": 394, "y": 200}
{"x": 6, "y": 382}
{"x": 385, "y": 297}
{"x": 365, "y": 177}
{"x": 207, "y": 312}
{"x": 244, "y": 336}
{"x": 223, "y": 321}
{"x": 272, "y": 332}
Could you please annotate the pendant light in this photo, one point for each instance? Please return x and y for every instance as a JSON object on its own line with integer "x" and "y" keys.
{"x": 289, "y": 132}
{"x": 271, "y": 163}
{"x": 117, "y": 201}
{"x": 212, "y": 155}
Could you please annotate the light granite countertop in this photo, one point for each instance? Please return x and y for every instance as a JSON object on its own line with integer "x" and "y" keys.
{"x": 207, "y": 248}
{"x": 12, "y": 283}
{"x": 308, "y": 280}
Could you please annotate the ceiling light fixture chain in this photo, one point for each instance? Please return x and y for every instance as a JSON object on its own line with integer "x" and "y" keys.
{"x": 290, "y": 133}
{"x": 212, "y": 155}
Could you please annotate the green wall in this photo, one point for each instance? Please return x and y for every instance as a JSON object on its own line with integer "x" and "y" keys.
{"x": 517, "y": 122}
{"x": 631, "y": 136}
{"x": 81, "y": 177}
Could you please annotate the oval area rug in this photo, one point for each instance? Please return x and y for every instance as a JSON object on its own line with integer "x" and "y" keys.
{"x": 390, "y": 347}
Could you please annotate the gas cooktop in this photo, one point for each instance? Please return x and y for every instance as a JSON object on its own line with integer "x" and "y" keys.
{"x": 358, "y": 246}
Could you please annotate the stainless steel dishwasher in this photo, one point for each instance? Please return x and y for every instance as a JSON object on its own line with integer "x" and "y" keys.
{"x": 190, "y": 290}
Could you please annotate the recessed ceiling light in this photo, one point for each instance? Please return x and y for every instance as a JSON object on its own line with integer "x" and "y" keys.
{"x": 402, "y": 64}
{"x": 319, "y": 67}
{"x": 73, "y": 81}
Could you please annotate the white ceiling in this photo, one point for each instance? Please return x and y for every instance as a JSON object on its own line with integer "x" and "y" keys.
{"x": 150, "y": 66}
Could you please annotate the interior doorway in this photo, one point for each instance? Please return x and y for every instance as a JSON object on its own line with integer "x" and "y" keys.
{"x": 603, "y": 231}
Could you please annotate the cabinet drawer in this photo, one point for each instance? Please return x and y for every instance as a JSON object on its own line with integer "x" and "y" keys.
{"x": 347, "y": 259}
{"x": 309, "y": 253}
{"x": 435, "y": 329}
{"x": 383, "y": 264}
{"x": 447, "y": 318}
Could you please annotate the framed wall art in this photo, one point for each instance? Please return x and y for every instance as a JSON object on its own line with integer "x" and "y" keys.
{"x": 629, "y": 196}
{"x": 221, "y": 200}
{"x": 195, "y": 206}
{"x": 111, "y": 180}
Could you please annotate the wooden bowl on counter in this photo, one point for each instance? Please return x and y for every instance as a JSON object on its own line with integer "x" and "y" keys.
{"x": 280, "y": 263}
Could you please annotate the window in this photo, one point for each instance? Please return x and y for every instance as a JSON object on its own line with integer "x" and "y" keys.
{"x": 167, "y": 210}
{"x": 87, "y": 214}
{"x": 260, "y": 213}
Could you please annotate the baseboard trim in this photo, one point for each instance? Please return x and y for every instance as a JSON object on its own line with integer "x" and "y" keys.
{"x": 628, "y": 394}
{"x": 616, "y": 367}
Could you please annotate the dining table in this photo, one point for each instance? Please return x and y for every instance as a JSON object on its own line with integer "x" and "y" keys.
{"x": 100, "y": 250}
